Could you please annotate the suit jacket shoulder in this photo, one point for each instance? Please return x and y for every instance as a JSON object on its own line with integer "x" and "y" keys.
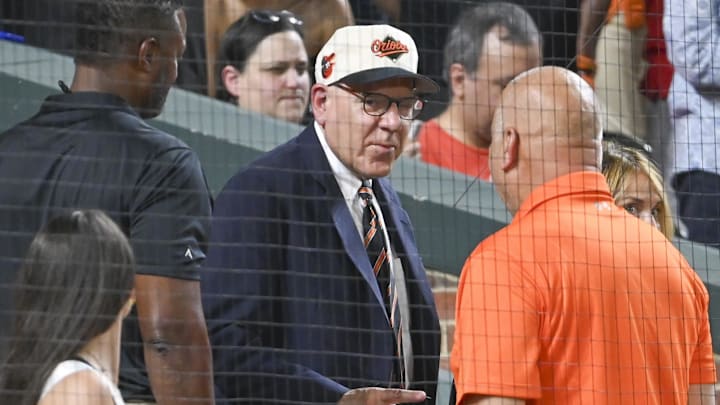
{"x": 284, "y": 168}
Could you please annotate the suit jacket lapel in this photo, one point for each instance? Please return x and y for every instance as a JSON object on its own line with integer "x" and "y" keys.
{"x": 319, "y": 169}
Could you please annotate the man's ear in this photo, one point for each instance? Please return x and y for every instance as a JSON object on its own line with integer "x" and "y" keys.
{"x": 457, "y": 76}
{"x": 231, "y": 80}
{"x": 148, "y": 54}
{"x": 318, "y": 102}
{"x": 511, "y": 148}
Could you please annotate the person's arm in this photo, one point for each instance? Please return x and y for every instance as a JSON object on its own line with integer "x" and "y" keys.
{"x": 169, "y": 227}
{"x": 592, "y": 18}
{"x": 81, "y": 388}
{"x": 692, "y": 31}
{"x": 381, "y": 396}
{"x": 176, "y": 346}
{"x": 701, "y": 394}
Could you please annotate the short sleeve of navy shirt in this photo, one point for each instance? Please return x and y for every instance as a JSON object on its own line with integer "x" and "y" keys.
{"x": 92, "y": 151}
{"x": 168, "y": 221}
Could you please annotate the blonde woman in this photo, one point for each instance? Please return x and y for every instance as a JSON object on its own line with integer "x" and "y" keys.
{"x": 636, "y": 183}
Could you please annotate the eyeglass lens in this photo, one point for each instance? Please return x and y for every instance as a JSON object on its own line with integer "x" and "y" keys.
{"x": 378, "y": 104}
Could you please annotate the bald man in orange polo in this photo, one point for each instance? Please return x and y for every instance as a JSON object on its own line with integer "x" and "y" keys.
{"x": 575, "y": 301}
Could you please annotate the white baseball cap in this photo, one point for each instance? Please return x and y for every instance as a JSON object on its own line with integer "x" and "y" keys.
{"x": 360, "y": 54}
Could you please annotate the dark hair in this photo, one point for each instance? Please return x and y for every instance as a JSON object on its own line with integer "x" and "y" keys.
{"x": 243, "y": 36}
{"x": 109, "y": 27}
{"x": 76, "y": 277}
{"x": 465, "y": 40}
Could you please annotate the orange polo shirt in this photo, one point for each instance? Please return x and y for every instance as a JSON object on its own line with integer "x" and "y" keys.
{"x": 578, "y": 302}
{"x": 439, "y": 148}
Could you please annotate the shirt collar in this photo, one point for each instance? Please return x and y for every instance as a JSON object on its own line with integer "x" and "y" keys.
{"x": 85, "y": 100}
{"x": 567, "y": 185}
{"x": 347, "y": 180}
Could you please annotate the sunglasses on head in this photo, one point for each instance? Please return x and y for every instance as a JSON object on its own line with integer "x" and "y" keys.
{"x": 273, "y": 17}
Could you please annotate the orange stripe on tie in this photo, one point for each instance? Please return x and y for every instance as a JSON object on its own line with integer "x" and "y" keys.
{"x": 369, "y": 237}
{"x": 379, "y": 261}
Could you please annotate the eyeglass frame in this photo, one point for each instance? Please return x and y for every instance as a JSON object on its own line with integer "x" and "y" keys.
{"x": 390, "y": 101}
{"x": 273, "y": 17}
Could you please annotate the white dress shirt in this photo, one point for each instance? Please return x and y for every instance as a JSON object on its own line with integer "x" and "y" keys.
{"x": 349, "y": 183}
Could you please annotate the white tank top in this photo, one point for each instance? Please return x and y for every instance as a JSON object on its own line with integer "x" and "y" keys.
{"x": 70, "y": 367}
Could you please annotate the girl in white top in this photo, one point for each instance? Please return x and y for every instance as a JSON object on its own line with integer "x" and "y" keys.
{"x": 73, "y": 373}
{"x": 74, "y": 290}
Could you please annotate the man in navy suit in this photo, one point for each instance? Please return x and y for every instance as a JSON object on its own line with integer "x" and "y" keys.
{"x": 296, "y": 311}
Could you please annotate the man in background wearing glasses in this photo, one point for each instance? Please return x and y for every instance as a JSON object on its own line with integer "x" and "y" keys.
{"x": 314, "y": 285}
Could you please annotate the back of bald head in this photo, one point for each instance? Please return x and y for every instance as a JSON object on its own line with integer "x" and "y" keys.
{"x": 546, "y": 126}
{"x": 554, "y": 103}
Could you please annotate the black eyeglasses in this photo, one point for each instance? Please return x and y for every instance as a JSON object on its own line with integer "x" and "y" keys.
{"x": 377, "y": 104}
{"x": 272, "y": 17}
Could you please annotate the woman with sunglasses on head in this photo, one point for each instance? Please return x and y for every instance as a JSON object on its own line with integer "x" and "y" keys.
{"x": 635, "y": 182}
{"x": 263, "y": 65}
{"x": 320, "y": 17}
{"x": 73, "y": 292}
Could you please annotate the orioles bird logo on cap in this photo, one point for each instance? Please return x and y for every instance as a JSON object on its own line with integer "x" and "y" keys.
{"x": 389, "y": 47}
{"x": 326, "y": 65}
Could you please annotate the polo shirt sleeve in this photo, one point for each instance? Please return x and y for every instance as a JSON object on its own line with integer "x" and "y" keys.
{"x": 702, "y": 367}
{"x": 170, "y": 216}
{"x": 496, "y": 344}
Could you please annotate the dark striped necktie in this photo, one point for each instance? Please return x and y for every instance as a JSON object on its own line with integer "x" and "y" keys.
{"x": 373, "y": 235}
{"x": 374, "y": 241}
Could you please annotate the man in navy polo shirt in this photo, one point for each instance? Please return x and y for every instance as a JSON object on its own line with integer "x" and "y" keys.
{"x": 90, "y": 148}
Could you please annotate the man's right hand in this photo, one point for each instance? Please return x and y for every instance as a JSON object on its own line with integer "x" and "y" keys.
{"x": 381, "y": 396}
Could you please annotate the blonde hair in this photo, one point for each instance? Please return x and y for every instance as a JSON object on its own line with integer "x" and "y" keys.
{"x": 619, "y": 161}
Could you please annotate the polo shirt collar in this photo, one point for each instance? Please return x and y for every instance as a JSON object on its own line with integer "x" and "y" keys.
{"x": 85, "y": 100}
{"x": 585, "y": 183}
